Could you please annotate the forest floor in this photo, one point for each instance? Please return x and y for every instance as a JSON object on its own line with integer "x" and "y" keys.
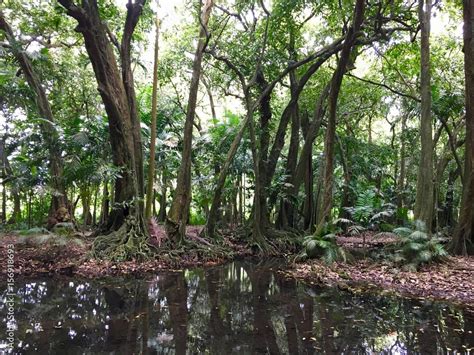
{"x": 453, "y": 280}
{"x": 52, "y": 255}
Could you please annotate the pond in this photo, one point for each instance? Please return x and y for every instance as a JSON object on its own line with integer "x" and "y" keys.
{"x": 241, "y": 307}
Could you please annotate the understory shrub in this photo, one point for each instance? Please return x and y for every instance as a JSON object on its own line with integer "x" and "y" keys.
{"x": 416, "y": 247}
{"x": 323, "y": 245}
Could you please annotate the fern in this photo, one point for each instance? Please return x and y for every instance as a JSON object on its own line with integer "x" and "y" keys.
{"x": 355, "y": 229}
{"x": 367, "y": 209}
{"x": 402, "y": 231}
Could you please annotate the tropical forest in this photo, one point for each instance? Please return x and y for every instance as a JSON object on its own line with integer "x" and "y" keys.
{"x": 237, "y": 176}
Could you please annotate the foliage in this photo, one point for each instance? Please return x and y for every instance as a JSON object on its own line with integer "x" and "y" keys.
{"x": 416, "y": 247}
{"x": 323, "y": 245}
{"x": 369, "y": 211}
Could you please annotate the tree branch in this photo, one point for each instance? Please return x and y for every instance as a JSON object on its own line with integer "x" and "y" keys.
{"x": 73, "y": 10}
{"x": 384, "y": 86}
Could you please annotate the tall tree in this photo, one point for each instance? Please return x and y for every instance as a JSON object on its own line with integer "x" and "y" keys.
{"x": 463, "y": 240}
{"x": 423, "y": 209}
{"x": 179, "y": 211}
{"x": 329, "y": 142}
{"x": 125, "y": 235}
{"x": 151, "y": 165}
{"x": 47, "y": 123}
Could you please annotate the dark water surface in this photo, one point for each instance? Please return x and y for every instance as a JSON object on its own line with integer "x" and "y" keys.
{"x": 239, "y": 308}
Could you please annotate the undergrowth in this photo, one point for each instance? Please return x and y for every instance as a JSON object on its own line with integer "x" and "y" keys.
{"x": 323, "y": 245}
{"x": 417, "y": 247}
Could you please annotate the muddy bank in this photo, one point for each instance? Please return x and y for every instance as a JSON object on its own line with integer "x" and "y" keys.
{"x": 451, "y": 281}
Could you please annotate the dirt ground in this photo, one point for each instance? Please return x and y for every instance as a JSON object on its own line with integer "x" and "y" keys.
{"x": 34, "y": 257}
{"x": 452, "y": 280}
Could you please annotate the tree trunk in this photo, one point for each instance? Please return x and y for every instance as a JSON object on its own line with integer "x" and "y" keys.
{"x": 211, "y": 97}
{"x": 286, "y": 213}
{"x": 265, "y": 116}
{"x": 258, "y": 228}
{"x": 241, "y": 196}
{"x": 94, "y": 213}
{"x": 3, "y": 159}
{"x": 104, "y": 214}
{"x": 9, "y": 179}
{"x": 402, "y": 175}
{"x": 423, "y": 209}
{"x": 463, "y": 240}
{"x": 446, "y": 213}
{"x": 3, "y": 219}
{"x": 16, "y": 217}
{"x": 86, "y": 205}
{"x": 151, "y": 166}
{"x": 47, "y": 126}
{"x": 162, "y": 213}
{"x": 308, "y": 206}
{"x": 336, "y": 82}
{"x": 346, "y": 200}
{"x": 134, "y": 10}
{"x": 311, "y": 134}
{"x": 179, "y": 212}
{"x": 126, "y": 234}
{"x": 30, "y": 194}
{"x": 279, "y": 140}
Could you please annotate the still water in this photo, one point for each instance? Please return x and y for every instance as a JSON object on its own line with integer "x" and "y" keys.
{"x": 241, "y": 308}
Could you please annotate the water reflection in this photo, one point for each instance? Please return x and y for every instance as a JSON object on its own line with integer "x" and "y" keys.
{"x": 237, "y": 308}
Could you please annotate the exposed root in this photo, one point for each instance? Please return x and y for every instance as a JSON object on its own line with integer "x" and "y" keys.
{"x": 272, "y": 242}
{"x": 128, "y": 242}
{"x": 201, "y": 249}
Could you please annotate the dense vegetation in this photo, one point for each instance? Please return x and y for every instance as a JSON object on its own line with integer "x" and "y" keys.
{"x": 273, "y": 120}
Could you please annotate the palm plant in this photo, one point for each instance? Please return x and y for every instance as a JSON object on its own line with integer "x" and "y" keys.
{"x": 323, "y": 245}
{"x": 417, "y": 247}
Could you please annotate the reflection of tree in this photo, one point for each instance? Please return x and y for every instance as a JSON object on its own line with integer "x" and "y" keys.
{"x": 292, "y": 310}
{"x": 176, "y": 292}
{"x": 264, "y": 339}
{"x": 217, "y": 327}
{"x": 127, "y": 310}
{"x": 427, "y": 337}
{"x": 232, "y": 308}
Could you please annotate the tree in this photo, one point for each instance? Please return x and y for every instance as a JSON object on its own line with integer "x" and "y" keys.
{"x": 151, "y": 167}
{"x": 424, "y": 189}
{"x": 463, "y": 240}
{"x": 179, "y": 211}
{"x": 47, "y": 122}
{"x": 125, "y": 235}
{"x": 335, "y": 86}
